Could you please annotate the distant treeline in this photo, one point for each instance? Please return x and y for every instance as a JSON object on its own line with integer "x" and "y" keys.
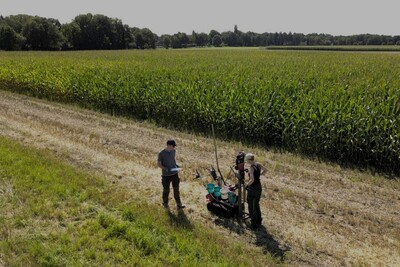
{"x": 358, "y": 48}
{"x": 91, "y": 32}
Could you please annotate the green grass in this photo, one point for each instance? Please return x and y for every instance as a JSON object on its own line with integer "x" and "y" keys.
{"x": 54, "y": 215}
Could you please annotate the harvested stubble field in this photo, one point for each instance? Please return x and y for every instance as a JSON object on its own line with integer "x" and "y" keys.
{"x": 317, "y": 214}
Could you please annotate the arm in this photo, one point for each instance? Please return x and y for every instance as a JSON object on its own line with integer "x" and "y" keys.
{"x": 251, "y": 176}
{"x": 159, "y": 164}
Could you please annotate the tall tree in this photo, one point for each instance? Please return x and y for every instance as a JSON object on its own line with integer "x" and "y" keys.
{"x": 236, "y": 30}
{"x": 43, "y": 34}
{"x": 217, "y": 40}
{"x": 229, "y": 38}
{"x": 202, "y": 39}
{"x": 145, "y": 38}
{"x": 193, "y": 38}
{"x": 129, "y": 38}
{"x": 73, "y": 36}
{"x": 183, "y": 39}
{"x": 213, "y": 33}
{"x": 175, "y": 42}
{"x": 166, "y": 41}
{"x": 84, "y": 37}
{"x": 149, "y": 38}
{"x": 9, "y": 39}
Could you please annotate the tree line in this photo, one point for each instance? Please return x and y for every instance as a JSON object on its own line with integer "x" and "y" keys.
{"x": 92, "y": 32}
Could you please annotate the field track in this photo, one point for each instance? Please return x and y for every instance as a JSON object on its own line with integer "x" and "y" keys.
{"x": 320, "y": 214}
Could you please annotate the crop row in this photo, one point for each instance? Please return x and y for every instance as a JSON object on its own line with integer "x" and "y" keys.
{"x": 341, "y": 106}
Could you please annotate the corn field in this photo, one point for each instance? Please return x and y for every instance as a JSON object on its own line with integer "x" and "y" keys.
{"x": 342, "y": 106}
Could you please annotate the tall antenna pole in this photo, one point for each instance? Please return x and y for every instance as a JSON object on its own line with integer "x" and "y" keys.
{"x": 216, "y": 154}
{"x": 215, "y": 146}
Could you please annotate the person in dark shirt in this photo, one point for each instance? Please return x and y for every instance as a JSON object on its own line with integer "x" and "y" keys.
{"x": 254, "y": 190}
{"x": 166, "y": 161}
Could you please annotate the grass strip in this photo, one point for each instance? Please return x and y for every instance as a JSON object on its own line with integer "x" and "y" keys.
{"x": 52, "y": 214}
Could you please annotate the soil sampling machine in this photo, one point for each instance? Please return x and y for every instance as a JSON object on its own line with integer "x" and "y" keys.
{"x": 224, "y": 199}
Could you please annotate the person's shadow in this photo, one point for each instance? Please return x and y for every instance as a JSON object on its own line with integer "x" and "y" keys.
{"x": 263, "y": 238}
{"x": 179, "y": 219}
{"x": 269, "y": 244}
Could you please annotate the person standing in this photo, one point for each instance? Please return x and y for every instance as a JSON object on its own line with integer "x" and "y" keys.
{"x": 167, "y": 162}
{"x": 254, "y": 190}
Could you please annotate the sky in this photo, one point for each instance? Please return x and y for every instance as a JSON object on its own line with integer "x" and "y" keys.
{"x": 336, "y": 17}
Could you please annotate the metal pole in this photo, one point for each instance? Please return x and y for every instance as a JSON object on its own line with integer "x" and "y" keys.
{"x": 240, "y": 201}
{"x": 215, "y": 146}
{"x": 216, "y": 154}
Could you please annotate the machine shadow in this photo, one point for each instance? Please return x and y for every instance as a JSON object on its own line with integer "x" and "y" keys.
{"x": 263, "y": 238}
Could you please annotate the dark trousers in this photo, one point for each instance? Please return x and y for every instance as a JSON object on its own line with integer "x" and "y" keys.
{"x": 166, "y": 182}
{"x": 253, "y": 201}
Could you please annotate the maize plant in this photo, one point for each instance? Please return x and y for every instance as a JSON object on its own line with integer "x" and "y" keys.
{"x": 340, "y": 106}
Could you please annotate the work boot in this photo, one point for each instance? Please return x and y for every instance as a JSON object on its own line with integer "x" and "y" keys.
{"x": 165, "y": 205}
{"x": 180, "y": 206}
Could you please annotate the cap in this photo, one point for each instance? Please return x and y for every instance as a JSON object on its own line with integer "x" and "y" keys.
{"x": 171, "y": 142}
